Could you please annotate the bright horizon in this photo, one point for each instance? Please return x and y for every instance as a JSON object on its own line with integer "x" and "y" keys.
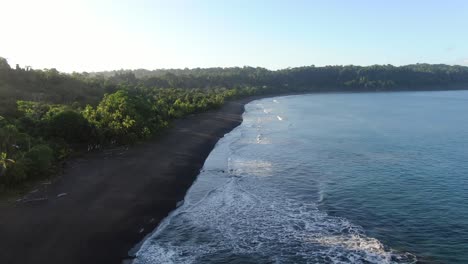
{"x": 109, "y": 35}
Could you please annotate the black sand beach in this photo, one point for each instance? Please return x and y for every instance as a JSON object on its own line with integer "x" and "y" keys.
{"x": 106, "y": 202}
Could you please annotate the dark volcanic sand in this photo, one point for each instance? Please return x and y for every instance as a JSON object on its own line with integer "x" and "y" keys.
{"x": 113, "y": 198}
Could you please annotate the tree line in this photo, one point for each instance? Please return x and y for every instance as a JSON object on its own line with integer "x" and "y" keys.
{"x": 341, "y": 78}
{"x": 46, "y": 115}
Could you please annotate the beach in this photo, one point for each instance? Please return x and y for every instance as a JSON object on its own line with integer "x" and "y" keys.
{"x": 106, "y": 202}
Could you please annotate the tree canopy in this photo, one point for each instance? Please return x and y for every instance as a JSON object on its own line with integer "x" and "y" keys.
{"x": 45, "y": 115}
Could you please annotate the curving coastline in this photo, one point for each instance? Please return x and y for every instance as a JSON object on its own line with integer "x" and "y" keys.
{"x": 107, "y": 202}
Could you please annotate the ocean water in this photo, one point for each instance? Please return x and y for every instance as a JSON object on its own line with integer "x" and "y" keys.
{"x": 329, "y": 178}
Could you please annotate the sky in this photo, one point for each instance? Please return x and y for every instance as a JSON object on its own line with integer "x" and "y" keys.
{"x": 94, "y": 35}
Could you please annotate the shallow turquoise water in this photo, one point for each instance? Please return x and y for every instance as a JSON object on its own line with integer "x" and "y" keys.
{"x": 330, "y": 178}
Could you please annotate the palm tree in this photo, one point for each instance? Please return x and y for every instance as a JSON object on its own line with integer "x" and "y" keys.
{"x": 8, "y": 136}
{"x": 4, "y": 163}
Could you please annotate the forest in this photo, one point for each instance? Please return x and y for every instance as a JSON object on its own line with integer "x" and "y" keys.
{"x": 46, "y": 115}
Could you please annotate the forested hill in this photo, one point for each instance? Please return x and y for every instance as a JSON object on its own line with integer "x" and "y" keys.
{"x": 46, "y": 115}
{"x": 88, "y": 88}
{"x": 377, "y": 77}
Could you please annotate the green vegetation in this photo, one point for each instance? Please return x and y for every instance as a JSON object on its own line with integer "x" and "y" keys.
{"x": 46, "y": 115}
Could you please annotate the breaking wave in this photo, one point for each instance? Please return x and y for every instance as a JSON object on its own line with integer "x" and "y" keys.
{"x": 234, "y": 214}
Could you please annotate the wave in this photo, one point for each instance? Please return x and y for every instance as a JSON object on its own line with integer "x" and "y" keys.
{"x": 234, "y": 214}
{"x": 236, "y": 220}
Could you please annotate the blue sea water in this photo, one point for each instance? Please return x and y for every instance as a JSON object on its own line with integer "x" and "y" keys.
{"x": 330, "y": 178}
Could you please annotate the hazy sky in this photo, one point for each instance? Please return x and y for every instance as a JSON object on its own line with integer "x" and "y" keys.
{"x": 93, "y": 35}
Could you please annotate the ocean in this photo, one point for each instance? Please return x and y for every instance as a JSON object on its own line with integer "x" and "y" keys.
{"x": 329, "y": 178}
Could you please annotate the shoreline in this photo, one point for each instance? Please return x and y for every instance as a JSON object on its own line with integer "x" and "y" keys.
{"x": 104, "y": 204}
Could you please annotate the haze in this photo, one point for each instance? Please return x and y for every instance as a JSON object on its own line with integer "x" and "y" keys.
{"x": 105, "y": 35}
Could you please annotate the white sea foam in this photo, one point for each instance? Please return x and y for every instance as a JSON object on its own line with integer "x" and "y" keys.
{"x": 230, "y": 213}
{"x": 232, "y": 220}
{"x": 241, "y": 166}
{"x": 259, "y": 138}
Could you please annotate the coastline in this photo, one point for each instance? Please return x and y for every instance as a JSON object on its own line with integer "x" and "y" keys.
{"x": 107, "y": 202}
